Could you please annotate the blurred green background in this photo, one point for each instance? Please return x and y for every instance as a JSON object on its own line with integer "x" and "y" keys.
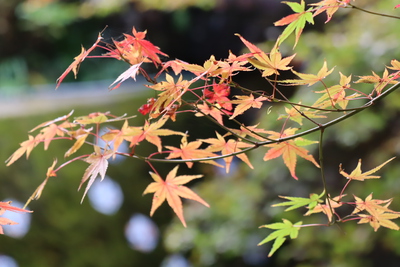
{"x": 39, "y": 39}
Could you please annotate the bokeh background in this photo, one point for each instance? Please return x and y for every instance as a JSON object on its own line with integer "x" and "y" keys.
{"x": 40, "y": 38}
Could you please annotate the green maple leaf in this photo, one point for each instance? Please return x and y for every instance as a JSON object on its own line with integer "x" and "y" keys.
{"x": 297, "y": 202}
{"x": 282, "y": 229}
{"x": 295, "y": 22}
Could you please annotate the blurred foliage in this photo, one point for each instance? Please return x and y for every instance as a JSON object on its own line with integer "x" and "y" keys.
{"x": 168, "y": 5}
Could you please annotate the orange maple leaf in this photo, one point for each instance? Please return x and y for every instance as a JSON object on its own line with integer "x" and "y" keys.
{"x": 327, "y": 208}
{"x": 190, "y": 151}
{"x": 172, "y": 189}
{"x": 289, "y": 150}
{"x": 38, "y": 192}
{"x": 116, "y": 136}
{"x": 328, "y": 6}
{"x": 78, "y": 60}
{"x": 4, "y": 206}
{"x": 213, "y": 111}
{"x": 371, "y": 205}
{"x": 171, "y": 92}
{"x": 150, "y": 132}
{"x": 269, "y": 64}
{"x": 246, "y": 102}
{"x": 309, "y": 79}
{"x": 381, "y": 216}
{"x": 219, "y": 144}
{"x": 47, "y": 123}
{"x": 379, "y": 82}
{"x": 26, "y": 147}
{"x": 358, "y": 175}
{"x": 98, "y": 166}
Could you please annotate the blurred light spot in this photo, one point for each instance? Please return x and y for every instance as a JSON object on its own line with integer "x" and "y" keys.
{"x": 124, "y": 148}
{"x": 175, "y": 260}
{"x": 7, "y": 261}
{"x": 22, "y": 218}
{"x": 221, "y": 172}
{"x": 141, "y": 233}
{"x": 106, "y": 196}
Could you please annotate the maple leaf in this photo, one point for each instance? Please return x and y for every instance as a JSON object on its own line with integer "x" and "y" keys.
{"x": 40, "y": 188}
{"x": 146, "y": 47}
{"x": 219, "y": 144}
{"x": 129, "y": 73}
{"x": 245, "y": 102}
{"x": 98, "y": 166}
{"x": 269, "y": 64}
{"x": 336, "y": 94}
{"x": 26, "y": 147}
{"x": 116, "y": 136}
{"x": 171, "y": 190}
{"x": 309, "y": 79}
{"x": 379, "y": 83}
{"x": 219, "y": 95}
{"x": 210, "y": 67}
{"x": 92, "y": 118}
{"x": 297, "y": 202}
{"x": 232, "y": 66}
{"x": 150, "y": 132}
{"x": 371, "y": 205}
{"x": 190, "y": 151}
{"x": 49, "y": 133}
{"x": 295, "y": 22}
{"x": 289, "y": 150}
{"x": 328, "y": 208}
{"x": 47, "y": 123}
{"x": 286, "y": 228}
{"x": 171, "y": 92}
{"x": 395, "y": 66}
{"x": 78, "y": 60}
{"x": 4, "y": 206}
{"x": 213, "y": 111}
{"x": 358, "y": 175}
{"x": 329, "y": 6}
{"x": 380, "y": 217}
{"x": 80, "y": 135}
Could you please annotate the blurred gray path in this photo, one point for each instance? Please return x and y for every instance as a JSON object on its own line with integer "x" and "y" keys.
{"x": 46, "y": 98}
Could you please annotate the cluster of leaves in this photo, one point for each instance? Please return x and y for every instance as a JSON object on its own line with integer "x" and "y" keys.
{"x": 207, "y": 93}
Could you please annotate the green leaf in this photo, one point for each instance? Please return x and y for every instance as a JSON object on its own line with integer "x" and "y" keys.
{"x": 296, "y": 7}
{"x": 282, "y": 229}
{"x": 297, "y": 202}
{"x": 296, "y": 22}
